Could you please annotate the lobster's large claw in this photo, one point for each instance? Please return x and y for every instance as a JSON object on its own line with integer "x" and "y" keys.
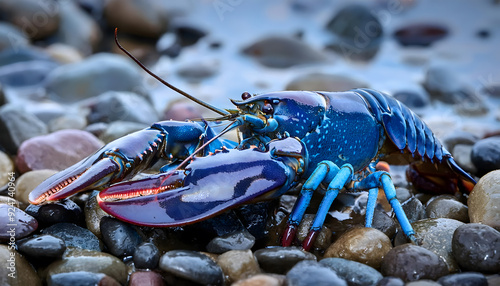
{"x": 208, "y": 185}
{"x": 82, "y": 176}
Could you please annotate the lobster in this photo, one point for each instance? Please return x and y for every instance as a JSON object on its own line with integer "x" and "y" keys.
{"x": 287, "y": 138}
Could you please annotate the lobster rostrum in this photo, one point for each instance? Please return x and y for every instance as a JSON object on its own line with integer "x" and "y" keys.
{"x": 287, "y": 138}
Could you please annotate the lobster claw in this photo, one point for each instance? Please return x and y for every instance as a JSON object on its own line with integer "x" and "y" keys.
{"x": 90, "y": 173}
{"x": 207, "y": 186}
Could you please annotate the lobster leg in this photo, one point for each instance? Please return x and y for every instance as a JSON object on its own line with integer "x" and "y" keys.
{"x": 337, "y": 178}
{"x": 383, "y": 179}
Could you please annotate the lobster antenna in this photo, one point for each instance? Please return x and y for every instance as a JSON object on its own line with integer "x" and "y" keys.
{"x": 202, "y": 103}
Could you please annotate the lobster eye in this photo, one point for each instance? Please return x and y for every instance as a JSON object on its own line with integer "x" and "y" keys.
{"x": 267, "y": 108}
{"x": 245, "y": 95}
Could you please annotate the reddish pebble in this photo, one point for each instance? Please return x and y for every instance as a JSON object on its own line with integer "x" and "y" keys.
{"x": 146, "y": 278}
{"x": 56, "y": 151}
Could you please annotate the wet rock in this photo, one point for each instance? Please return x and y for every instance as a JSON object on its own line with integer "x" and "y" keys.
{"x": 182, "y": 110}
{"x": 443, "y": 84}
{"x": 43, "y": 246}
{"x": 192, "y": 266}
{"x": 281, "y": 259}
{"x": 77, "y": 260}
{"x": 358, "y": 33}
{"x": 326, "y": 82}
{"x": 11, "y": 37}
{"x": 60, "y": 211}
{"x": 436, "y": 235}
{"x": 384, "y": 222}
{"x": 261, "y": 280}
{"x": 354, "y": 273}
{"x": 119, "y": 105}
{"x": 78, "y": 29}
{"x": 17, "y": 126}
{"x": 68, "y": 121}
{"x": 313, "y": 273}
{"x": 120, "y": 238}
{"x": 6, "y": 169}
{"x": 486, "y": 155}
{"x": 51, "y": 151}
{"x": 391, "y": 281}
{"x": 47, "y": 111}
{"x": 420, "y": 34}
{"x": 93, "y": 76}
{"x": 37, "y": 19}
{"x": 9, "y": 201}
{"x": 239, "y": 240}
{"x": 82, "y": 278}
{"x": 459, "y": 137}
{"x": 414, "y": 209}
{"x": 187, "y": 33}
{"x": 475, "y": 248}
{"x": 151, "y": 278}
{"x": 146, "y": 256}
{"x": 94, "y": 214}
{"x": 254, "y": 218}
{"x": 283, "y": 52}
{"x": 484, "y": 200}
{"x": 198, "y": 70}
{"x": 23, "y": 272}
{"x": 25, "y": 74}
{"x": 324, "y": 238}
{"x": 118, "y": 129}
{"x": 63, "y": 53}
{"x": 423, "y": 282}
{"x": 462, "y": 155}
{"x": 15, "y": 223}
{"x": 74, "y": 236}
{"x": 463, "y": 279}
{"x": 364, "y": 245}
{"x": 410, "y": 262}
{"x": 413, "y": 99}
{"x": 148, "y": 19}
{"x": 238, "y": 264}
{"x": 24, "y": 54}
{"x": 447, "y": 208}
{"x": 471, "y": 108}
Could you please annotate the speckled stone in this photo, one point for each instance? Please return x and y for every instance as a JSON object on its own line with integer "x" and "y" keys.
{"x": 281, "y": 259}
{"x": 6, "y": 168}
{"x": 476, "y": 248}
{"x": 238, "y": 264}
{"x": 410, "y": 262}
{"x": 74, "y": 236}
{"x": 436, "y": 235}
{"x": 94, "y": 214}
{"x": 484, "y": 200}
{"x": 324, "y": 238}
{"x": 364, "y": 245}
{"x": 446, "y": 208}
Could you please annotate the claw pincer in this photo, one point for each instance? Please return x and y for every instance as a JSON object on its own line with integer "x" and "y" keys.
{"x": 208, "y": 185}
{"x": 121, "y": 159}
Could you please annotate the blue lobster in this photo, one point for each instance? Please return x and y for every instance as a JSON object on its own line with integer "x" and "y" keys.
{"x": 287, "y": 138}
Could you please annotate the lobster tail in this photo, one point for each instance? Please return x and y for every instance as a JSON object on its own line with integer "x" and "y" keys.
{"x": 409, "y": 134}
